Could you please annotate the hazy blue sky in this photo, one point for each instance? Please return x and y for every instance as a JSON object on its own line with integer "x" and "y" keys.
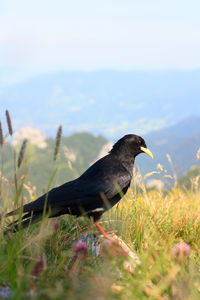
{"x": 43, "y": 36}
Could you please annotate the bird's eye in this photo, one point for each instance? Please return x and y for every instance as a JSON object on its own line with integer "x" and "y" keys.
{"x": 140, "y": 143}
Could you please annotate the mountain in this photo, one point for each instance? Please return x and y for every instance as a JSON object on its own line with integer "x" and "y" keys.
{"x": 181, "y": 141}
{"x": 191, "y": 178}
{"x": 110, "y": 103}
{"x": 76, "y": 153}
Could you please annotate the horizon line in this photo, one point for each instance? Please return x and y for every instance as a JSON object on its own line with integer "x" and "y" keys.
{"x": 96, "y": 70}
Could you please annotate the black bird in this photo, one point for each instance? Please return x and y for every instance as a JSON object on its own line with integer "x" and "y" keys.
{"x": 99, "y": 188}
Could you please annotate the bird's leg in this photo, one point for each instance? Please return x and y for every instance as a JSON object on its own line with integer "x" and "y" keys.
{"x": 102, "y": 231}
{"x": 115, "y": 247}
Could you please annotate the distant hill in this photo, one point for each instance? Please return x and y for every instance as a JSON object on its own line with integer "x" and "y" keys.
{"x": 181, "y": 141}
{"x": 110, "y": 103}
{"x": 191, "y": 178}
{"x": 75, "y": 154}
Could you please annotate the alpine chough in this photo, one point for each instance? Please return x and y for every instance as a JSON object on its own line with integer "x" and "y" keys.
{"x": 99, "y": 188}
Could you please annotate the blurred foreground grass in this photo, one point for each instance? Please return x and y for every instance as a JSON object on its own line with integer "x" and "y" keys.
{"x": 35, "y": 263}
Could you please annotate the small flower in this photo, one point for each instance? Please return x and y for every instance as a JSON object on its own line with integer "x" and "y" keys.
{"x": 56, "y": 224}
{"x": 80, "y": 248}
{"x": 181, "y": 249}
{"x": 39, "y": 267}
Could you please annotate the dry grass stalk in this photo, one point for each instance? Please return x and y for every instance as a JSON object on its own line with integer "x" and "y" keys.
{"x": 198, "y": 154}
{"x": 9, "y": 123}
{"x": 58, "y": 139}
{"x": 1, "y": 135}
{"x": 22, "y": 152}
{"x": 173, "y": 169}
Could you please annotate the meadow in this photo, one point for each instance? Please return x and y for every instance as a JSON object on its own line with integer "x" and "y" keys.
{"x": 161, "y": 226}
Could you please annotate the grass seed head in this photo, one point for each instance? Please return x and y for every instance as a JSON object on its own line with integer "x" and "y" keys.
{"x": 58, "y": 139}
{"x": 9, "y": 123}
{"x": 22, "y": 152}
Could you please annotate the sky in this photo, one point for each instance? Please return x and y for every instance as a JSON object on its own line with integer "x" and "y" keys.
{"x": 43, "y": 36}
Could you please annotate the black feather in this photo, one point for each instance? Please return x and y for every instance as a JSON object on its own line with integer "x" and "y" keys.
{"x": 95, "y": 191}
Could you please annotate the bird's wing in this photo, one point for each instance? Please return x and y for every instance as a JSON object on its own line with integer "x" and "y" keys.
{"x": 86, "y": 191}
{"x": 79, "y": 192}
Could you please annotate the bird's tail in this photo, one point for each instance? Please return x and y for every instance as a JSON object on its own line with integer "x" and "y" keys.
{"x": 13, "y": 212}
{"x": 23, "y": 222}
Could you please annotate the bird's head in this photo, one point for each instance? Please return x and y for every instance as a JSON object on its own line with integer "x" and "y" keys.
{"x": 131, "y": 145}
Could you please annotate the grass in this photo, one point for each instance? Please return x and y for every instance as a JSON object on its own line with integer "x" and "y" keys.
{"x": 36, "y": 262}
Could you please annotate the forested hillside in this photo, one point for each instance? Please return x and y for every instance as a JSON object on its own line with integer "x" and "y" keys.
{"x": 76, "y": 153}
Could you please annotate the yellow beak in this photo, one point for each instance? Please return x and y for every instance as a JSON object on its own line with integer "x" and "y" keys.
{"x": 147, "y": 151}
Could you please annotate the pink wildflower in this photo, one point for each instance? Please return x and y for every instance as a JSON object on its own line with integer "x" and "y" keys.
{"x": 39, "y": 267}
{"x": 81, "y": 248}
{"x": 56, "y": 224}
{"x": 181, "y": 249}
